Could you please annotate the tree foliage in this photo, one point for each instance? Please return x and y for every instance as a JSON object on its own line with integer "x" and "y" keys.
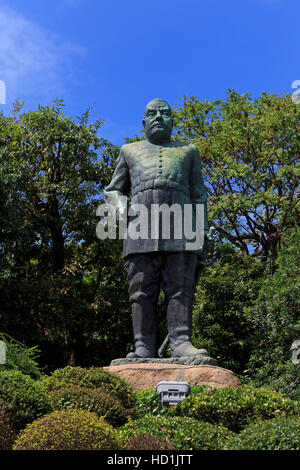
{"x": 56, "y": 275}
{"x": 250, "y": 153}
{"x": 275, "y": 321}
{"x": 223, "y": 292}
{"x": 65, "y": 291}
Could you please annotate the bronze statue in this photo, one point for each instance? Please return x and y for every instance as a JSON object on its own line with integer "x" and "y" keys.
{"x": 158, "y": 171}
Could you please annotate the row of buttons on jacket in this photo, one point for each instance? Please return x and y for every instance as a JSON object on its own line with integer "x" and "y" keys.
{"x": 160, "y": 161}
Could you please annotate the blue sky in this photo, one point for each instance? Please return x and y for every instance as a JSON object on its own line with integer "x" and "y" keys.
{"x": 118, "y": 55}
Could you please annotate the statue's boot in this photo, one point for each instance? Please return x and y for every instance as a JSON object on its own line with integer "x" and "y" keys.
{"x": 143, "y": 275}
{"x": 144, "y": 330}
{"x": 179, "y": 314}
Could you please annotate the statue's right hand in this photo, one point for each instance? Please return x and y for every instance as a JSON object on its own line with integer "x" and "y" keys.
{"x": 121, "y": 215}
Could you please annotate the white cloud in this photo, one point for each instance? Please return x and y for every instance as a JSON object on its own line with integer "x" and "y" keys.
{"x": 33, "y": 61}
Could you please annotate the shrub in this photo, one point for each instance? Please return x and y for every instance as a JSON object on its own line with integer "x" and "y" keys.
{"x": 183, "y": 433}
{"x": 275, "y": 319}
{"x": 219, "y": 324}
{"x": 24, "y": 398}
{"x": 148, "y": 401}
{"x": 282, "y": 377}
{"x": 7, "y": 433}
{"x": 19, "y": 357}
{"x": 90, "y": 399}
{"x": 68, "y": 430}
{"x": 147, "y": 442}
{"x": 274, "y": 434}
{"x": 93, "y": 377}
{"x": 235, "y": 407}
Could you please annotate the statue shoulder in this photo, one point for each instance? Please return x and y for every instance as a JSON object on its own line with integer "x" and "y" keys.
{"x": 179, "y": 143}
{"x": 188, "y": 146}
{"x": 193, "y": 147}
{"x": 133, "y": 146}
{"x": 195, "y": 151}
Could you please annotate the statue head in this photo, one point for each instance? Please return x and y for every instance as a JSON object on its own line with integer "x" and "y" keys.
{"x": 158, "y": 121}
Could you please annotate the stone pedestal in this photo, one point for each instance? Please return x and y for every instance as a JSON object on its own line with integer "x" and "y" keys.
{"x": 147, "y": 374}
{"x": 185, "y": 361}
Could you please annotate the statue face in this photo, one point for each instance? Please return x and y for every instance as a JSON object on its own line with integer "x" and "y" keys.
{"x": 158, "y": 121}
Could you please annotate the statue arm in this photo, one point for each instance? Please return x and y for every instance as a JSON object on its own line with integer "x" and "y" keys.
{"x": 198, "y": 191}
{"x": 119, "y": 187}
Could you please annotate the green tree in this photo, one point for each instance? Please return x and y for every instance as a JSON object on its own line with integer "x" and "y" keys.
{"x": 275, "y": 320}
{"x": 223, "y": 291}
{"x": 11, "y": 226}
{"x": 250, "y": 153}
{"x": 61, "y": 294}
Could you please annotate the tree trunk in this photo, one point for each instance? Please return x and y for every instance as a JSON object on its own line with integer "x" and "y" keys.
{"x": 58, "y": 246}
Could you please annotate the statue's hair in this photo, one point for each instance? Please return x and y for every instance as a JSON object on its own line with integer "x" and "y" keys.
{"x": 157, "y": 100}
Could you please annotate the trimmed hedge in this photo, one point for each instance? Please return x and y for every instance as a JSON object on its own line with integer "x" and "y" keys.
{"x": 7, "y": 433}
{"x": 91, "y": 399}
{"x": 147, "y": 442}
{"x": 274, "y": 434}
{"x": 20, "y": 357}
{"x": 68, "y": 430}
{"x": 236, "y": 407}
{"x": 25, "y": 399}
{"x": 148, "y": 401}
{"x": 182, "y": 433}
{"x": 93, "y": 377}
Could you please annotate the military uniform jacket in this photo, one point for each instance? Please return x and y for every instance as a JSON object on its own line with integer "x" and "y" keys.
{"x": 154, "y": 175}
